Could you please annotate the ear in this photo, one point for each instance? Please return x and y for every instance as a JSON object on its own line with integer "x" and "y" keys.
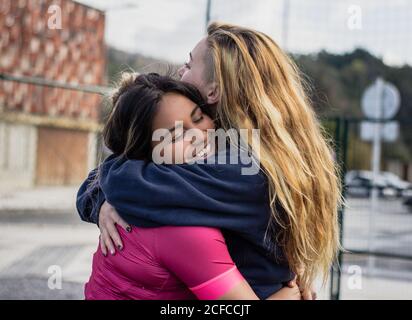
{"x": 212, "y": 93}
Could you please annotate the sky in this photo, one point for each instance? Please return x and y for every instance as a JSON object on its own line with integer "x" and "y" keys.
{"x": 169, "y": 29}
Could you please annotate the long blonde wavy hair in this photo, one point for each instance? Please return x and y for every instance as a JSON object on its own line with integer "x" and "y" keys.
{"x": 260, "y": 87}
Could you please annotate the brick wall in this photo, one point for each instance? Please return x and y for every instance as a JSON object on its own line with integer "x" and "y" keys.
{"x": 75, "y": 54}
{"x": 41, "y": 139}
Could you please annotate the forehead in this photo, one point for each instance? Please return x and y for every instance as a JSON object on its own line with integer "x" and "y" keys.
{"x": 199, "y": 50}
{"x": 172, "y": 107}
{"x": 175, "y": 100}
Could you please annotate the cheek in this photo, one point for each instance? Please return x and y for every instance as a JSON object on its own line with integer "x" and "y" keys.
{"x": 186, "y": 76}
{"x": 210, "y": 124}
{"x": 187, "y": 147}
{"x": 206, "y": 124}
{"x": 193, "y": 77}
{"x": 168, "y": 151}
{"x": 174, "y": 153}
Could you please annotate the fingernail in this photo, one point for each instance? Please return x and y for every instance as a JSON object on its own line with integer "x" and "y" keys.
{"x": 119, "y": 247}
{"x": 128, "y": 229}
{"x": 112, "y": 253}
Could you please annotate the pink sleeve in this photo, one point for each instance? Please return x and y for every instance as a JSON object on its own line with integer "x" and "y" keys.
{"x": 199, "y": 257}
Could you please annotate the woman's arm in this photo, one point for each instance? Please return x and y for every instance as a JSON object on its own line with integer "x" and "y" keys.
{"x": 90, "y": 198}
{"x": 90, "y": 201}
{"x": 243, "y": 291}
{"x": 199, "y": 257}
{"x": 202, "y": 194}
{"x": 216, "y": 195}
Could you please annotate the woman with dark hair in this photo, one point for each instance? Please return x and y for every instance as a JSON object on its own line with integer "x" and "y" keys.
{"x": 277, "y": 223}
{"x": 168, "y": 262}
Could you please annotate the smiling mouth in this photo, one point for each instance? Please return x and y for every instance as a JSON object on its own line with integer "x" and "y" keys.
{"x": 204, "y": 152}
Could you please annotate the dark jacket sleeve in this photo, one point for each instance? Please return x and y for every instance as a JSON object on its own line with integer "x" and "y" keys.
{"x": 90, "y": 199}
{"x": 148, "y": 194}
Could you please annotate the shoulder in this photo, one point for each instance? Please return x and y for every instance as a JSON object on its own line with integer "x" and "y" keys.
{"x": 176, "y": 244}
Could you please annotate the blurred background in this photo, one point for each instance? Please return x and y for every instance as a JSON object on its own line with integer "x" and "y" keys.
{"x": 58, "y": 58}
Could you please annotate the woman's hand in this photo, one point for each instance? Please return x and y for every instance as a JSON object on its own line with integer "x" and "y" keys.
{"x": 307, "y": 294}
{"x": 109, "y": 237}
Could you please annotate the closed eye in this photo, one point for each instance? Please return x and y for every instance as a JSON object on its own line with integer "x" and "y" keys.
{"x": 196, "y": 115}
{"x": 197, "y": 120}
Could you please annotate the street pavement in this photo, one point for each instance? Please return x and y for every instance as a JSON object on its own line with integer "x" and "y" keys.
{"x": 43, "y": 241}
{"x": 40, "y": 232}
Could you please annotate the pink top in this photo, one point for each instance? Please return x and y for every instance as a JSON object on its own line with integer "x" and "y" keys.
{"x": 164, "y": 263}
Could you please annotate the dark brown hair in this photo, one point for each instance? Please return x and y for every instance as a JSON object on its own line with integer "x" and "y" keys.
{"x": 128, "y": 130}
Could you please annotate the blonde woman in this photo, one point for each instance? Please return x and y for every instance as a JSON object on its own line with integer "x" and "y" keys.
{"x": 248, "y": 83}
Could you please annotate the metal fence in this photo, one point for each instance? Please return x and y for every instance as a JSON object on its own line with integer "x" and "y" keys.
{"x": 343, "y": 131}
{"x": 54, "y": 84}
{"x": 379, "y": 242}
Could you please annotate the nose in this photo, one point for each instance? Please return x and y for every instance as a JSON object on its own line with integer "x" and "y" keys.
{"x": 180, "y": 71}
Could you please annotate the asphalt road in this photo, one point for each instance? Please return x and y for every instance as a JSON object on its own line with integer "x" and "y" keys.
{"x": 32, "y": 243}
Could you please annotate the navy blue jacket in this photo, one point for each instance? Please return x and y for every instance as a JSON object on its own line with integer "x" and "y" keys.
{"x": 146, "y": 194}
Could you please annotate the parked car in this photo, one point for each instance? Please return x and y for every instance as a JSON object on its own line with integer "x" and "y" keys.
{"x": 359, "y": 183}
{"x": 393, "y": 181}
{"x": 408, "y": 203}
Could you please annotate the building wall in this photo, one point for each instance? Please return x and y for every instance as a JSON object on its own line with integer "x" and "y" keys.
{"x": 58, "y": 154}
{"x": 56, "y": 164}
{"x": 75, "y": 54}
{"x": 17, "y": 157}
